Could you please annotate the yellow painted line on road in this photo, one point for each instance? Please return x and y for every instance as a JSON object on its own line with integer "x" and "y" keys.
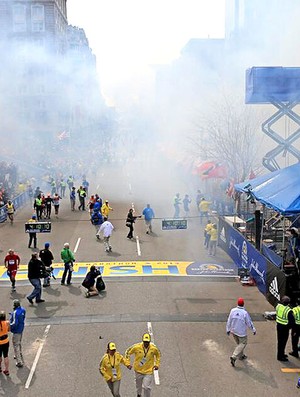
{"x": 290, "y": 370}
{"x": 137, "y": 268}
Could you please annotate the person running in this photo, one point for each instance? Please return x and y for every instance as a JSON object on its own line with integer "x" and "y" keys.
{"x": 146, "y": 360}
{"x": 148, "y": 214}
{"x": 56, "y": 202}
{"x": 68, "y": 258}
{"x": 12, "y": 263}
{"x": 130, "y": 220}
{"x": 46, "y": 257}
{"x": 110, "y": 368}
{"x": 105, "y": 209}
{"x": 10, "y": 211}
{"x": 107, "y": 229}
{"x": 17, "y": 323}
{"x": 237, "y": 323}
{"x": 89, "y": 281}
{"x": 4, "y": 342}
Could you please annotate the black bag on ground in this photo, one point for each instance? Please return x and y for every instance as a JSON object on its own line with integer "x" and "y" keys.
{"x": 100, "y": 285}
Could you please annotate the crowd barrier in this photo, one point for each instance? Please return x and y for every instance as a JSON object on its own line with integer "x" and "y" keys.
{"x": 270, "y": 280}
{"x": 18, "y": 202}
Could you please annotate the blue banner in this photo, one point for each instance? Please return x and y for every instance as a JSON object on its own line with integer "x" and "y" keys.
{"x": 272, "y": 256}
{"x": 269, "y": 279}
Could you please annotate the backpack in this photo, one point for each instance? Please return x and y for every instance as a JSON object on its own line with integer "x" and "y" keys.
{"x": 100, "y": 285}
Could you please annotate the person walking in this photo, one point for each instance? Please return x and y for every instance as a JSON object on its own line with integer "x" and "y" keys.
{"x": 107, "y": 229}
{"x": 177, "y": 203}
{"x": 68, "y": 258}
{"x": 12, "y": 263}
{"x": 4, "y": 342}
{"x": 130, "y": 220}
{"x": 207, "y": 230}
{"x": 213, "y": 239}
{"x": 17, "y": 324}
{"x": 186, "y": 205}
{"x": 105, "y": 209}
{"x": 203, "y": 209}
{"x": 70, "y": 182}
{"x": 146, "y": 360}
{"x": 89, "y": 281}
{"x": 82, "y": 195}
{"x": 32, "y": 235}
{"x": 237, "y": 323}
{"x": 38, "y": 206}
{"x": 296, "y": 331}
{"x": 148, "y": 214}
{"x": 73, "y": 198}
{"x": 110, "y": 368}
{"x": 97, "y": 220}
{"x": 35, "y": 273}
{"x": 46, "y": 257}
{"x": 284, "y": 322}
{"x": 48, "y": 205}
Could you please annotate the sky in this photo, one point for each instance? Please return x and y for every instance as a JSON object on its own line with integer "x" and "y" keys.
{"x": 128, "y": 36}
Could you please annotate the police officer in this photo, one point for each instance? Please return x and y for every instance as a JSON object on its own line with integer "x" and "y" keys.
{"x": 285, "y": 321}
{"x": 296, "y": 331}
{"x": 32, "y": 236}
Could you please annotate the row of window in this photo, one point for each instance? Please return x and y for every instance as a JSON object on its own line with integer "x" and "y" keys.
{"x": 37, "y": 18}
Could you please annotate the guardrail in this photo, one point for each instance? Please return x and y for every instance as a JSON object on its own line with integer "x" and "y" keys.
{"x": 18, "y": 202}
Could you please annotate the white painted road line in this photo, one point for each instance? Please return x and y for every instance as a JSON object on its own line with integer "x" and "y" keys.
{"x": 155, "y": 373}
{"x": 77, "y": 245}
{"x": 42, "y": 342}
{"x": 138, "y": 246}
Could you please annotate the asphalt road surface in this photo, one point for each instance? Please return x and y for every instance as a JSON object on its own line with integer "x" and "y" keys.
{"x": 147, "y": 289}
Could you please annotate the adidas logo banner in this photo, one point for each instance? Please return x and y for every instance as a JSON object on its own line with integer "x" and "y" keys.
{"x": 275, "y": 284}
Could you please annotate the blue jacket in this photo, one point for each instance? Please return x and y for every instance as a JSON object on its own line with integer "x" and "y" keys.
{"x": 17, "y": 320}
{"x": 148, "y": 213}
{"x": 96, "y": 218}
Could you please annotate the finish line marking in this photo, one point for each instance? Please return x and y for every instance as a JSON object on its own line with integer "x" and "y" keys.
{"x": 138, "y": 246}
{"x": 290, "y": 370}
{"x": 77, "y": 245}
{"x": 155, "y": 372}
{"x": 27, "y": 384}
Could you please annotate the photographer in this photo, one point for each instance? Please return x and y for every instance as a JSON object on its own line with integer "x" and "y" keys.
{"x": 89, "y": 281}
{"x": 47, "y": 258}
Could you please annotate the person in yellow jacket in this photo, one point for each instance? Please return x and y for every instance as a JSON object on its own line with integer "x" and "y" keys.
{"x": 295, "y": 331}
{"x": 207, "y": 230}
{"x": 146, "y": 360}
{"x": 213, "y": 240}
{"x": 4, "y": 342}
{"x": 105, "y": 209}
{"x": 203, "y": 209}
{"x": 110, "y": 368}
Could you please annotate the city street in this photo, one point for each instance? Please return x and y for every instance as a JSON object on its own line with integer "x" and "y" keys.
{"x": 148, "y": 290}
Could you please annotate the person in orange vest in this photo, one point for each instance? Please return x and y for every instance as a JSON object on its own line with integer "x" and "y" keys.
{"x": 4, "y": 342}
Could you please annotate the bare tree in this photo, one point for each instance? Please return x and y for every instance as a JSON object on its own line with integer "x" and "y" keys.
{"x": 228, "y": 134}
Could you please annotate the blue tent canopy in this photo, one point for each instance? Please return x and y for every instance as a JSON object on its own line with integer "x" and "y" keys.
{"x": 279, "y": 190}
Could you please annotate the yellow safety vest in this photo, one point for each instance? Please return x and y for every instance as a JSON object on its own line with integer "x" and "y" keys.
{"x": 282, "y": 313}
{"x": 296, "y": 311}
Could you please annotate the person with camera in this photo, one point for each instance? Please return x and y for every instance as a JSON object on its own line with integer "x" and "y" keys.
{"x": 110, "y": 368}
{"x": 68, "y": 258}
{"x": 36, "y": 271}
{"x": 130, "y": 220}
{"x": 47, "y": 258}
{"x": 89, "y": 281}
